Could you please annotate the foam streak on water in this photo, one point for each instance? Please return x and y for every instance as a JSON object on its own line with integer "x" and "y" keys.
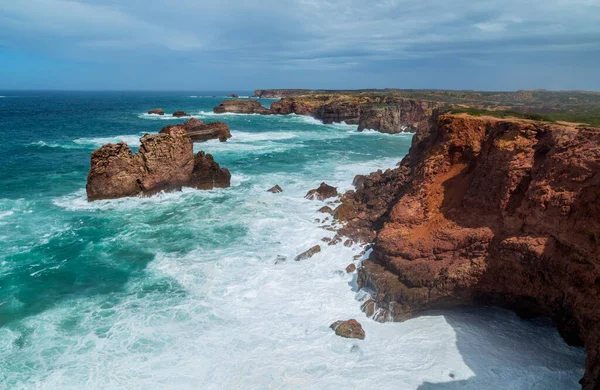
{"x": 187, "y": 290}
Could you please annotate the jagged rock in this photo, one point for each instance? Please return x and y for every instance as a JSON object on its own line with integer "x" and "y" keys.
{"x": 326, "y": 209}
{"x": 492, "y": 211}
{"x": 164, "y": 162}
{"x": 241, "y": 107}
{"x": 350, "y": 268}
{"x": 335, "y": 240}
{"x": 324, "y": 191}
{"x": 309, "y": 253}
{"x": 350, "y": 329}
{"x": 199, "y": 131}
{"x": 232, "y": 95}
{"x": 157, "y": 111}
{"x": 276, "y": 189}
{"x": 179, "y": 114}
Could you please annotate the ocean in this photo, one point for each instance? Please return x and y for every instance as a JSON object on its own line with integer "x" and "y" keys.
{"x": 189, "y": 290}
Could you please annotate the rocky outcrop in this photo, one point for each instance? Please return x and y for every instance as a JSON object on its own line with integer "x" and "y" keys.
{"x": 324, "y": 191}
{"x": 309, "y": 253}
{"x": 180, "y": 114}
{"x": 350, "y": 329}
{"x": 275, "y": 189}
{"x": 239, "y": 106}
{"x": 157, "y": 111}
{"x": 199, "y": 131}
{"x": 232, "y": 95}
{"x": 164, "y": 162}
{"x": 487, "y": 210}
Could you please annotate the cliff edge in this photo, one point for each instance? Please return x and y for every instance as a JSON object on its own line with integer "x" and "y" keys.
{"x": 487, "y": 210}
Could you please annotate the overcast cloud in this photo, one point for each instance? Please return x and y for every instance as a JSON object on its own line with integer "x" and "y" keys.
{"x": 195, "y": 45}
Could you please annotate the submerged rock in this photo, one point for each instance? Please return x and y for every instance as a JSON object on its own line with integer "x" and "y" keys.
{"x": 324, "y": 191}
{"x": 199, "y": 131}
{"x": 275, "y": 189}
{"x": 241, "y": 107}
{"x": 164, "y": 162}
{"x": 309, "y": 253}
{"x": 157, "y": 111}
{"x": 350, "y": 329}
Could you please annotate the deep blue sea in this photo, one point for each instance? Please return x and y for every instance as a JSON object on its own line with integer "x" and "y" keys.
{"x": 184, "y": 291}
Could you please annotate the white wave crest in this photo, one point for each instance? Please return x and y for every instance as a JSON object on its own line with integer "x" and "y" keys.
{"x": 131, "y": 140}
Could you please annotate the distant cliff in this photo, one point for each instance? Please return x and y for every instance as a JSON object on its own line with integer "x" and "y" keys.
{"x": 382, "y": 113}
{"x": 487, "y": 210}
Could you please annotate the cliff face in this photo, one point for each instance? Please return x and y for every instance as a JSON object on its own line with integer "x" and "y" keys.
{"x": 487, "y": 210}
{"x": 164, "y": 162}
{"x": 382, "y": 113}
{"x": 398, "y": 116}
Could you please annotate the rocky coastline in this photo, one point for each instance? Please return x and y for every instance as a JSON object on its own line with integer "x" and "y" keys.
{"x": 382, "y": 113}
{"x": 486, "y": 210}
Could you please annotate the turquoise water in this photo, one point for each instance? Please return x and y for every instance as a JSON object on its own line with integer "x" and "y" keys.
{"x": 182, "y": 290}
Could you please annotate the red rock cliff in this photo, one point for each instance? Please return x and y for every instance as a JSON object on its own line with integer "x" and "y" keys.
{"x": 487, "y": 210}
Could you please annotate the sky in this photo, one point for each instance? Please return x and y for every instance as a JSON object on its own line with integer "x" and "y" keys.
{"x": 329, "y": 44}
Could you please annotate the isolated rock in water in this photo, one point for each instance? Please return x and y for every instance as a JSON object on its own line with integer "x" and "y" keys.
{"x": 241, "y": 107}
{"x": 326, "y": 209}
{"x": 199, "y": 131}
{"x": 276, "y": 189}
{"x": 350, "y": 268}
{"x": 157, "y": 111}
{"x": 179, "y": 114}
{"x": 324, "y": 191}
{"x": 350, "y": 329}
{"x": 164, "y": 162}
{"x": 309, "y": 253}
{"x": 232, "y": 95}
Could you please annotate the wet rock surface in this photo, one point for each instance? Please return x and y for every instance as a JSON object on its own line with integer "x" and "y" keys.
{"x": 309, "y": 253}
{"x": 324, "y": 191}
{"x": 157, "y": 111}
{"x": 350, "y": 329}
{"x": 275, "y": 189}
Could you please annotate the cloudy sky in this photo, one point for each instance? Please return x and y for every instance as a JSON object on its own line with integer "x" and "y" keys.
{"x": 242, "y": 45}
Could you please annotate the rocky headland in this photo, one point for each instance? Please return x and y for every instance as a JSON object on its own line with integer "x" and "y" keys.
{"x": 486, "y": 210}
{"x": 164, "y": 162}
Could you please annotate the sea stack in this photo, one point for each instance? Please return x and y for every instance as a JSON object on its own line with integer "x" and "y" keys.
{"x": 164, "y": 162}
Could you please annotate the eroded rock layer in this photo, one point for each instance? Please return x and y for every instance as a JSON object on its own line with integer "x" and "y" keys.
{"x": 164, "y": 162}
{"x": 199, "y": 131}
{"x": 488, "y": 210}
